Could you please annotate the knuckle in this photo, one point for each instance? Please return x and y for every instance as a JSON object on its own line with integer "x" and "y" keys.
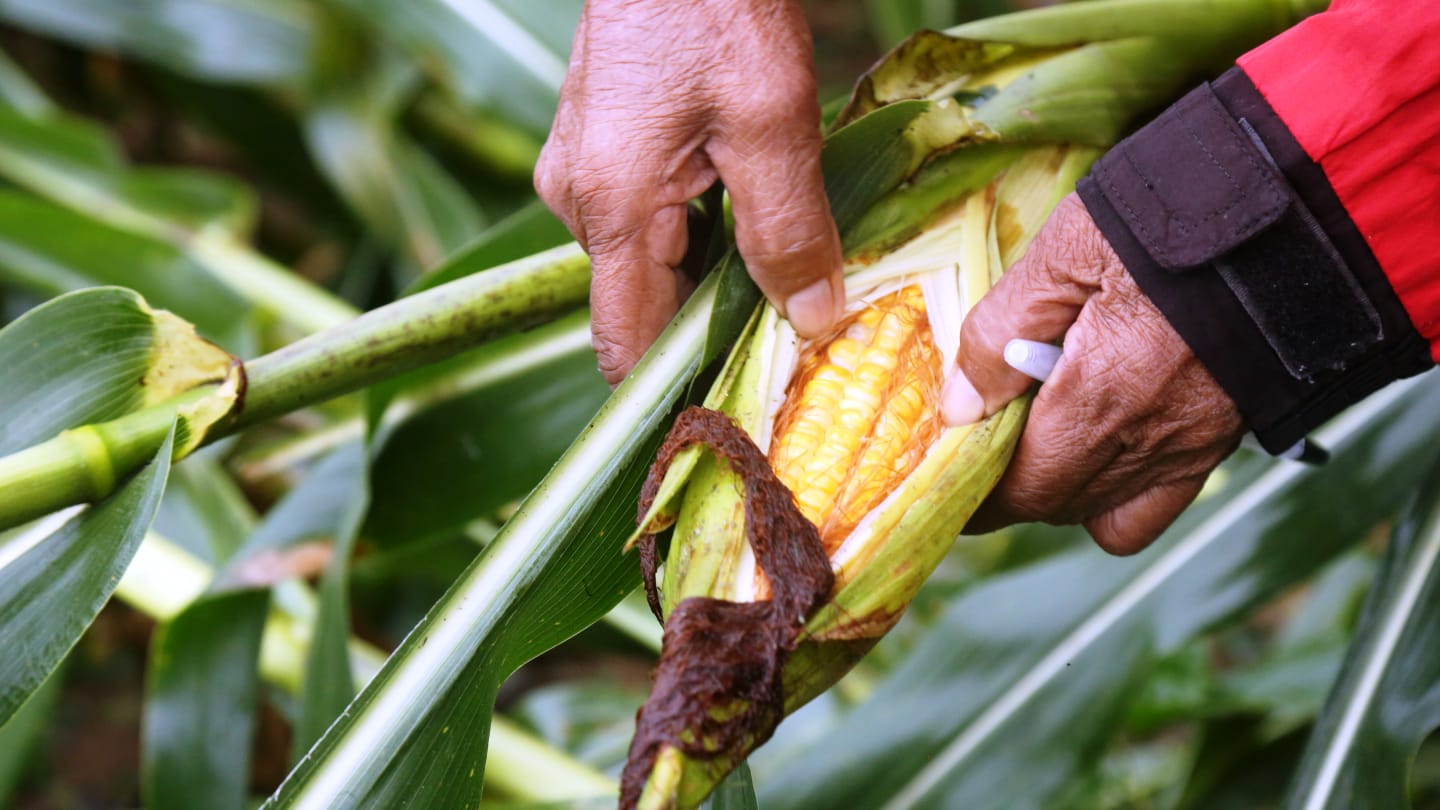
{"x": 772, "y": 241}
{"x": 613, "y": 356}
{"x": 780, "y": 114}
{"x": 787, "y": 104}
{"x": 550, "y": 181}
{"x": 1073, "y": 248}
{"x": 609, "y": 242}
{"x": 981, "y": 353}
{"x": 592, "y": 177}
{"x": 1030, "y": 498}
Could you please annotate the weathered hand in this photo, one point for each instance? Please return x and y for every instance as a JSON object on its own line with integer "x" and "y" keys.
{"x": 1123, "y": 433}
{"x": 663, "y": 97}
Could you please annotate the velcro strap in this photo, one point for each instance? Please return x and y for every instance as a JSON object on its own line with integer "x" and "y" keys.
{"x": 1198, "y": 191}
{"x": 1298, "y": 291}
{"x": 1192, "y": 186}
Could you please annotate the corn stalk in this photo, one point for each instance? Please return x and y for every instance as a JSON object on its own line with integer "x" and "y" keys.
{"x": 1063, "y": 81}
{"x": 84, "y": 464}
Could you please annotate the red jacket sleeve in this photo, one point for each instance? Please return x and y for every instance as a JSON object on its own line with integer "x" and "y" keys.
{"x": 1359, "y": 88}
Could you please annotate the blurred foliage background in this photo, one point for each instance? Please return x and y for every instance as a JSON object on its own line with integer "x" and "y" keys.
{"x": 203, "y": 151}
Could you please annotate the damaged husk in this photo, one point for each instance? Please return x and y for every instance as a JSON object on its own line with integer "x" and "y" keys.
{"x": 718, "y": 684}
{"x": 765, "y": 610}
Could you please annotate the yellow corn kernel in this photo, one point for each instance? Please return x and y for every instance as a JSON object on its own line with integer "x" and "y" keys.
{"x": 859, "y": 413}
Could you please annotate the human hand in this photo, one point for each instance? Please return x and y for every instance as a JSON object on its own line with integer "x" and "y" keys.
{"x": 663, "y": 97}
{"x": 1125, "y": 430}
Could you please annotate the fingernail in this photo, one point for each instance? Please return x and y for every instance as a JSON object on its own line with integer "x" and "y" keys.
{"x": 1032, "y": 358}
{"x": 960, "y": 403}
{"x": 814, "y": 309}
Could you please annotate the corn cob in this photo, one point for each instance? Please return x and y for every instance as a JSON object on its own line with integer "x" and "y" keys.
{"x": 808, "y": 511}
{"x": 860, "y": 413}
{"x": 846, "y": 428}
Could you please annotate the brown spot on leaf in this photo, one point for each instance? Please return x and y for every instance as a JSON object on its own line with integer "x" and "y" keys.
{"x": 265, "y": 568}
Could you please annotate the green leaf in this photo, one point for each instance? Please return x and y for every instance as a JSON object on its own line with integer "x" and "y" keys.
{"x": 1385, "y": 702}
{"x": 216, "y": 40}
{"x": 74, "y": 360}
{"x": 893, "y": 20}
{"x": 53, "y": 250}
{"x": 204, "y": 510}
{"x": 1275, "y": 682}
{"x": 21, "y": 94}
{"x": 592, "y": 719}
{"x": 418, "y": 730}
{"x": 873, "y": 154}
{"x": 505, "y": 55}
{"x": 737, "y": 792}
{"x": 78, "y": 164}
{"x": 466, "y": 437}
{"x": 1188, "y": 24}
{"x": 1254, "y": 773}
{"x": 164, "y": 576}
{"x": 88, "y": 357}
{"x": 329, "y": 683}
{"x": 1035, "y": 668}
{"x": 394, "y": 339}
{"x": 1145, "y": 773}
{"x": 1094, "y": 94}
{"x": 203, "y": 670}
{"x": 1289, "y": 685}
{"x": 311, "y": 511}
{"x": 25, "y": 732}
{"x": 201, "y": 692}
{"x": 528, "y": 231}
{"x": 54, "y": 589}
{"x": 74, "y": 163}
{"x": 394, "y": 186}
{"x": 201, "y": 676}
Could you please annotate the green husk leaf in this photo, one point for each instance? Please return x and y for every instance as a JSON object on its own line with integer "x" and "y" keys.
{"x": 959, "y": 110}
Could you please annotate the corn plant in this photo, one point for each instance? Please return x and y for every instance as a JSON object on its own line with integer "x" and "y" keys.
{"x": 1031, "y": 671}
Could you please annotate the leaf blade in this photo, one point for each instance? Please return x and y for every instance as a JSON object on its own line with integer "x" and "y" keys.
{"x": 1384, "y": 703}
{"x": 51, "y": 593}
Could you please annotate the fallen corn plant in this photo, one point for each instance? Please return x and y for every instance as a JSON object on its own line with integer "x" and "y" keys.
{"x": 817, "y": 489}
{"x": 909, "y": 154}
{"x": 215, "y": 395}
{"x": 106, "y": 388}
{"x": 1039, "y": 91}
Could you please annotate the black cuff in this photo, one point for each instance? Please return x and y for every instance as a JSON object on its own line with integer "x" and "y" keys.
{"x": 1239, "y": 240}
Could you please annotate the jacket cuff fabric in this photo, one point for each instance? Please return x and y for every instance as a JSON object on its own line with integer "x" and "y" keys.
{"x": 1238, "y": 239}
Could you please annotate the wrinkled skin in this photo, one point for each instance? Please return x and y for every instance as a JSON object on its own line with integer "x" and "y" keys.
{"x": 1129, "y": 424}
{"x": 663, "y": 98}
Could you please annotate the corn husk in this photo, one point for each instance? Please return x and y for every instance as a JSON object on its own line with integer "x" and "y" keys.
{"x": 999, "y": 120}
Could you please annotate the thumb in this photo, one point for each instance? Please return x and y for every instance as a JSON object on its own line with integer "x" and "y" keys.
{"x": 1037, "y": 299}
